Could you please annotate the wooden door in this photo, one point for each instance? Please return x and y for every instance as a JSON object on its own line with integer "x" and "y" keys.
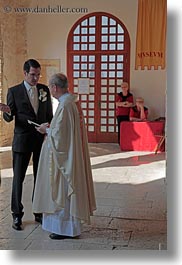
{"x": 98, "y": 49}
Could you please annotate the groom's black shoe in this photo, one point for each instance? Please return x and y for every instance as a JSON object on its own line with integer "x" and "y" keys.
{"x": 17, "y": 224}
{"x": 59, "y": 237}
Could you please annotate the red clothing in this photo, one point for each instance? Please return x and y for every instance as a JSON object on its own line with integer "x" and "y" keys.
{"x": 123, "y": 111}
{"x": 135, "y": 113}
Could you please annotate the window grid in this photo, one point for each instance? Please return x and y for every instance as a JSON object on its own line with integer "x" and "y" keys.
{"x": 104, "y": 39}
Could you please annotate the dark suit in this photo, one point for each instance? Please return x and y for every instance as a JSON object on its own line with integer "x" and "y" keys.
{"x": 26, "y": 140}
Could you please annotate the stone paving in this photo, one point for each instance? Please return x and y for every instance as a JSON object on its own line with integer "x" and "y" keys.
{"x": 130, "y": 190}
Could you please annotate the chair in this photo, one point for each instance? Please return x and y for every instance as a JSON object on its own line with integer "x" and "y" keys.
{"x": 162, "y": 136}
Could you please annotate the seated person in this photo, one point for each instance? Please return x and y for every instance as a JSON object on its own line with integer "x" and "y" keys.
{"x": 139, "y": 112}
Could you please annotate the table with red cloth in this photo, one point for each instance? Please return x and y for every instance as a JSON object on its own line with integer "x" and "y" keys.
{"x": 141, "y": 136}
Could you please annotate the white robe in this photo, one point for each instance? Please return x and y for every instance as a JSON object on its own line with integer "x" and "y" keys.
{"x": 64, "y": 187}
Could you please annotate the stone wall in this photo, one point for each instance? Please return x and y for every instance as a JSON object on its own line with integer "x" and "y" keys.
{"x": 13, "y": 53}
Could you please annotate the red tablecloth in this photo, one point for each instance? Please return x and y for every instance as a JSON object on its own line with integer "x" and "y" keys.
{"x": 141, "y": 136}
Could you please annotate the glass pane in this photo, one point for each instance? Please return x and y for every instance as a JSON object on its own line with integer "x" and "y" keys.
{"x": 104, "y": 97}
{"x": 83, "y": 74}
{"x": 120, "y": 58}
{"x": 92, "y": 82}
{"x": 103, "y": 105}
{"x": 103, "y": 66}
{"x": 84, "y": 30}
{"x": 112, "y": 38}
{"x": 111, "y": 97}
{"x": 111, "y": 66}
{"x": 119, "y": 89}
{"x": 76, "y": 66}
{"x": 76, "y": 47}
{"x": 103, "y": 113}
{"x": 104, "y": 20}
{"x": 112, "y": 46}
{"x": 112, "y": 21}
{"x": 120, "y": 66}
{"x": 111, "y": 121}
{"x": 91, "y": 38}
{"x": 91, "y": 97}
{"x": 84, "y": 58}
{"x": 75, "y": 81}
{"x": 84, "y": 23}
{"x": 75, "y": 74}
{"x": 112, "y": 30}
{"x": 83, "y": 66}
{"x": 112, "y": 58}
{"x": 104, "y": 47}
{"x": 103, "y": 89}
{"x": 92, "y": 89}
{"x": 120, "y": 46}
{"x": 104, "y": 30}
{"x": 111, "y": 129}
{"x": 84, "y": 112}
{"x": 111, "y": 90}
{"x": 84, "y": 97}
{"x": 119, "y": 74}
{"x": 76, "y": 58}
{"x": 111, "y": 74}
{"x": 103, "y": 128}
{"x": 91, "y": 30}
{"x": 84, "y": 105}
{"x": 91, "y": 113}
{"x": 91, "y": 47}
{"x": 104, "y": 58}
{"x": 75, "y": 89}
{"x": 121, "y": 38}
{"x": 104, "y": 38}
{"x": 103, "y": 82}
{"x": 84, "y": 38}
{"x": 103, "y": 73}
{"x": 112, "y": 82}
{"x": 91, "y": 58}
{"x": 91, "y": 66}
{"x": 111, "y": 113}
{"x": 111, "y": 105}
{"x": 91, "y": 105}
{"x": 91, "y": 120}
{"x": 76, "y": 39}
{"x": 120, "y": 30}
{"x": 103, "y": 121}
{"x": 91, "y": 128}
{"x": 92, "y": 21}
{"x": 84, "y": 47}
{"x": 77, "y": 30}
{"x": 91, "y": 74}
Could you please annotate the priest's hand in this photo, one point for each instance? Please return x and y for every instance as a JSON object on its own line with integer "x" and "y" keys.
{"x": 42, "y": 128}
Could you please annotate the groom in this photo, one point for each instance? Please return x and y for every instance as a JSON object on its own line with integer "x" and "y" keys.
{"x": 26, "y": 101}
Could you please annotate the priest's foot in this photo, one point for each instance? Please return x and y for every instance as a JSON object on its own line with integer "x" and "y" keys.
{"x": 59, "y": 237}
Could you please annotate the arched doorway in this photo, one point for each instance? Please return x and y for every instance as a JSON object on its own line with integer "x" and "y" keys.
{"x": 98, "y": 50}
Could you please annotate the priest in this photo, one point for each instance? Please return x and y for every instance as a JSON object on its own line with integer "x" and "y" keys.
{"x": 64, "y": 190}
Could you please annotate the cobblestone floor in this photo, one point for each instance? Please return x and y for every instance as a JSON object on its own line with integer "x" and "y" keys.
{"x": 130, "y": 190}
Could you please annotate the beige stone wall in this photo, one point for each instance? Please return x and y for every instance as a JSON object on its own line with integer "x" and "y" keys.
{"x": 13, "y": 54}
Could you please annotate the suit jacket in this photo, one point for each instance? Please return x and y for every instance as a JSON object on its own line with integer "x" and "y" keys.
{"x": 26, "y": 138}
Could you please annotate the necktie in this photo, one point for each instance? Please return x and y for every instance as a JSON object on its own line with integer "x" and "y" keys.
{"x": 34, "y": 98}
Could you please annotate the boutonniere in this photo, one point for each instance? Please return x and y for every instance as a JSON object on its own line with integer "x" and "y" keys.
{"x": 43, "y": 95}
